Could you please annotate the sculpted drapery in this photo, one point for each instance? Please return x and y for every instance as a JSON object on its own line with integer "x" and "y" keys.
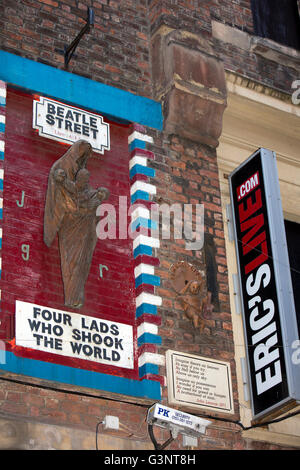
{"x": 70, "y": 212}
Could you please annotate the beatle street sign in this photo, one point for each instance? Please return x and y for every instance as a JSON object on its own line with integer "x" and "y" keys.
{"x": 65, "y": 123}
{"x": 74, "y": 335}
{"x": 268, "y": 305}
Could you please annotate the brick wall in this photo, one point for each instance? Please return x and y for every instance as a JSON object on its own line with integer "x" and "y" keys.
{"x": 192, "y": 16}
{"x": 76, "y": 411}
{"x": 37, "y": 278}
{"x": 195, "y": 17}
{"x": 116, "y": 52}
{"x": 187, "y": 173}
{"x": 237, "y": 14}
{"x": 118, "y": 45}
{"x": 77, "y": 416}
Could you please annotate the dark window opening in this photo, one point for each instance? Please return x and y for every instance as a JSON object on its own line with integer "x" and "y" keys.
{"x": 277, "y": 20}
{"x": 211, "y": 270}
{"x": 292, "y": 231}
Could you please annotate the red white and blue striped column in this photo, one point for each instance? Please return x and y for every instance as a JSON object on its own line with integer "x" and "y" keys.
{"x": 2, "y": 150}
{"x": 145, "y": 247}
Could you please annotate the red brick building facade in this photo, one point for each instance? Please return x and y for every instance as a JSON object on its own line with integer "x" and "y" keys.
{"x": 189, "y": 63}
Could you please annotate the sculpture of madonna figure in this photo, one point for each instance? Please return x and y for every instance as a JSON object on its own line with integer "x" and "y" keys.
{"x": 70, "y": 212}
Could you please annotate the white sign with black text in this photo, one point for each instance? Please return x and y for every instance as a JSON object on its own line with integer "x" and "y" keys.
{"x": 65, "y": 123}
{"x": 199, "y": 382}
{"x": 74, "y": 335}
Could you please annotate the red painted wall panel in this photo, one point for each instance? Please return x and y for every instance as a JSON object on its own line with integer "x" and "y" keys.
{"x": 28, "y": 159}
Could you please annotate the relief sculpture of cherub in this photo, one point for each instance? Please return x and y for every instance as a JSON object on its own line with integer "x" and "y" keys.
{"x": 189, "y": 284}
{"x": 191, "y": 302}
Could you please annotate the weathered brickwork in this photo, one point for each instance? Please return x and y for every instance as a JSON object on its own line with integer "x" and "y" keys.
{"x": 28, "y": 405}
{"x": 117, "y": 46}
{"x": 187, "y": 173}
{"x": 196, "y": 17}
{"x": 237, "y": 14}
{"x": 255, "y": 67}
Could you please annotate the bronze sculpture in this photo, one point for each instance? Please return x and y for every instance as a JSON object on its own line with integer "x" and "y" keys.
{"x": 189, "y": 284}
{"x": 70, "y": 212}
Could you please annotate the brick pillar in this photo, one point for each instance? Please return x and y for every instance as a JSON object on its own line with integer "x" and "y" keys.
{"x": 189, "y": 79}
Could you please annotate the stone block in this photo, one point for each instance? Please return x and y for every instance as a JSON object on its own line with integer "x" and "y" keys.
{"x": 190, "y": 81}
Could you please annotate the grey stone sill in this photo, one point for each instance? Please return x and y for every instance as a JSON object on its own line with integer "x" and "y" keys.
{"x": 267, "y": 48}
{"x": 278, "y": 53}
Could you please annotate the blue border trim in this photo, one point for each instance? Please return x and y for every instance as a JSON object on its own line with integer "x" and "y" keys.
{"x": 148, "y": 368}
{"x": 147, "y": 279}
{"x": 142, "y": 250}
{"x": 83, "y": 92}
{"x": 147, "y": 338}
{"x": 81, "y": 377}
{"x": 142, "y": 222}
{"x": 137, "y": 144}
{"x": 141, "y": 170}
{"x": 146, "y": 308}
{"x": 144, "y": 280}
{"x": 139, "y": 194}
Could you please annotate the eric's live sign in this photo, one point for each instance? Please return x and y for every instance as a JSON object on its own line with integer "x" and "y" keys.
{"x": 270, "y": 323}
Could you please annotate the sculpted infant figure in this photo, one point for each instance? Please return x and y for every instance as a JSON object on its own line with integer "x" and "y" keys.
{"x": 192, "y": 303}
{"x": 189, "y": 284}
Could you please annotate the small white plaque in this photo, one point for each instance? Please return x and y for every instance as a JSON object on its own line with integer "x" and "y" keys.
{"x": 199, "y": 382}
{"x": 65, "y": 123}
{"x": 74, "y": 335}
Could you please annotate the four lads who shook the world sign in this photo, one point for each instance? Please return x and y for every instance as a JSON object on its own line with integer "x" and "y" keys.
{"x": 73, "y": 335}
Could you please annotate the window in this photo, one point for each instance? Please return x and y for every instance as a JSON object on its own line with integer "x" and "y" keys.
{"x": 292, "y": 230}
{"x": 277, "y": 20}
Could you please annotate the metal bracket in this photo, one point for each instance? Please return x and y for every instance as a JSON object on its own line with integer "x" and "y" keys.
{"x": 237, "y": 293}
{"x": 245, "y": 378}
{"x": 69, "y": 51}
{"x": 229, "y": 220}
{"x": 158, "y": 446}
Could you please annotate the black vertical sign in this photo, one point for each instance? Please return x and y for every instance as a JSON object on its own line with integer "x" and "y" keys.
{"x": 262, "y": 321}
